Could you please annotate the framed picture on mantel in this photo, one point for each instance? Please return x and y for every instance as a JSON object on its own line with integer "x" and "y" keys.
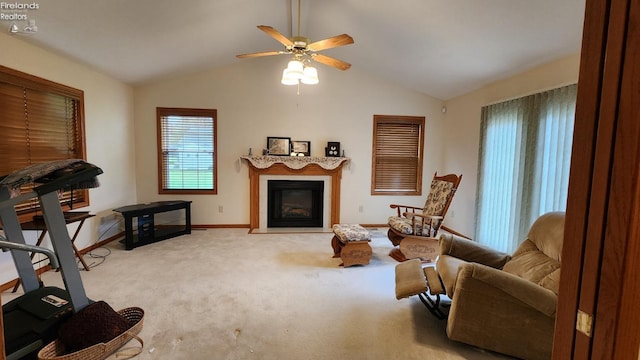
{"x": 301, "y": 148}
{"x": 279, "y": 146}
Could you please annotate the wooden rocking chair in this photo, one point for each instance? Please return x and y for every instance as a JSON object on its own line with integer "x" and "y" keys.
{"x": 422, "y": 223}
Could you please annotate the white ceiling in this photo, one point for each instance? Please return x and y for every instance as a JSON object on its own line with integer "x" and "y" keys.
{"x": 443, "y": 48}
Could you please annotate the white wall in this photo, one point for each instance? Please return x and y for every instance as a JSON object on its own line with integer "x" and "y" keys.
{"x": 252, "y": 104}
{"x": 109, "y": 134}
{"x": 462, "y": 129}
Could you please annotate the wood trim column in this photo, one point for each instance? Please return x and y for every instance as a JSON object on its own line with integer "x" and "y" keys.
{"x": 618, "y": 291}
{"x": 600, "y": 266}
{"x": 2, "y": 348}
{"x": 282, "y": 169}
{"x": 582, "y": 169}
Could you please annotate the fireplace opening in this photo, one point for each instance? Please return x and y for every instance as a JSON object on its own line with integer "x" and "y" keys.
{"x": 292, "y": 203}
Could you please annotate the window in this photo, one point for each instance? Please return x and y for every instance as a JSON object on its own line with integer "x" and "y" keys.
{"x": 41, "y": 121}
{"x": 397, "y": 155}
{"x": 187, "y": 151}
{"x": 525, "y": 153}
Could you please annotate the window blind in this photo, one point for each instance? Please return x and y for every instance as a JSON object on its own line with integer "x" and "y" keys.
{"x": 187, "y": 153}
{"x": 397, "y": 158}
{"x": 525, "y": 150}
{"x": 41, "y": 121}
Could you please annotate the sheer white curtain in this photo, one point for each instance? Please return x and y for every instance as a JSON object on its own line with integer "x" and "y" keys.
{"x": 525, "y": 149}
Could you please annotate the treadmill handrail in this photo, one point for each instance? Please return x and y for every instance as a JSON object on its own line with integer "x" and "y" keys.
{"x": 53, "y": 259}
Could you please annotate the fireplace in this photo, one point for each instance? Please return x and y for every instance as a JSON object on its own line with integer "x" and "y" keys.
{"x": 293, "y": 203}
{"x": 305, "y": 168}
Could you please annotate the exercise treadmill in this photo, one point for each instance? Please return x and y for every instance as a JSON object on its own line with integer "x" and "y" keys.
{"x": 32, "y": 320}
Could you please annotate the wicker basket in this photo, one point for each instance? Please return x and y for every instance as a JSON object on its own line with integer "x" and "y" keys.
{"x": 55, "y": 350}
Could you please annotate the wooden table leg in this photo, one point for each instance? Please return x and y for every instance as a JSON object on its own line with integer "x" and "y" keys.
{"x": 75, "y": 249}
{"x": 337, "y": 245}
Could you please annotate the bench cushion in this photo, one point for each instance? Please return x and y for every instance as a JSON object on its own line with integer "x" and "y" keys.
{"x": 351, "y": 232}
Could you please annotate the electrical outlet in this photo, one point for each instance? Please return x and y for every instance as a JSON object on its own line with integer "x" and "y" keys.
{"x": 360, "y": 208}
{"x": 220, "y": 208}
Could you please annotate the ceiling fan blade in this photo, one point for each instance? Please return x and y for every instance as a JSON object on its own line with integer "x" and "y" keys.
{"x": 258, "y": 54}
{"x": 335, "y": 41}
{"x": 338, "y": 64}
{"x": 276, "y": 35}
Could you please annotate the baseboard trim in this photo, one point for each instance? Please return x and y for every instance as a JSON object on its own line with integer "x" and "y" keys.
{"x": 220, "y": 226}
{"x": 375, "y": 225}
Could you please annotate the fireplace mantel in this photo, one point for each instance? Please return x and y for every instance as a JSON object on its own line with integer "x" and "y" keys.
{"x": 295, "y": 162}
{"x": 293, "y": 165}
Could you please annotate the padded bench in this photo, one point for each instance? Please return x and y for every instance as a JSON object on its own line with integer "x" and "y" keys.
{"x": 351, "y": 243}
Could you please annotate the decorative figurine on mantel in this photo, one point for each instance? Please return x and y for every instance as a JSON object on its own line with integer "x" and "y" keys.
{"x": 332, "y": 149}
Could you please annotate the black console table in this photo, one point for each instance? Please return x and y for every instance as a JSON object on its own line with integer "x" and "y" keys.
{"x": 147, "y": 231}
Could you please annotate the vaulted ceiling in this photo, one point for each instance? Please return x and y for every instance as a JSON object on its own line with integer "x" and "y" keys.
{"x": 443, "y": 48}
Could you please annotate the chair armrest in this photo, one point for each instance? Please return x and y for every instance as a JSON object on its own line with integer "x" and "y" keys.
{"x": 406, "y": 208}
{"x": 492, "y": 280}
{"x": 471, "y": 251}
{"x": 454, "y": 232}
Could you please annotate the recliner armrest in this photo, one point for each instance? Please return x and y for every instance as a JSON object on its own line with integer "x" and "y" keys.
{"x": 495, "y": 310}
{"x": 531, "y": 294}
{"x": 471, "y": 251}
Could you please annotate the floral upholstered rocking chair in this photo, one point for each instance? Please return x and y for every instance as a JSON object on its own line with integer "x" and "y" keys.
{"x": 422, "y": 223}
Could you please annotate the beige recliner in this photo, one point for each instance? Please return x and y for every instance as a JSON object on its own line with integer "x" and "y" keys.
{"x": 505, "y": 303}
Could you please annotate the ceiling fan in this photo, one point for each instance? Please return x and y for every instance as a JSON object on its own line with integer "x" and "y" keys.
{"x": 303, "y": 50}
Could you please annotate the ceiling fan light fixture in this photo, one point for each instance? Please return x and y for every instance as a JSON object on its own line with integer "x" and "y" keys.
{"x": 296, "y": 69}
{"x": 310, "y": 76}
{"x": 303, "y": 51}
{"x": 287, "y": 78}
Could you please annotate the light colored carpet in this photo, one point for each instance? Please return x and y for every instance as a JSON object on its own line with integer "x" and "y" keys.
{"x": 226, "y": 294}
